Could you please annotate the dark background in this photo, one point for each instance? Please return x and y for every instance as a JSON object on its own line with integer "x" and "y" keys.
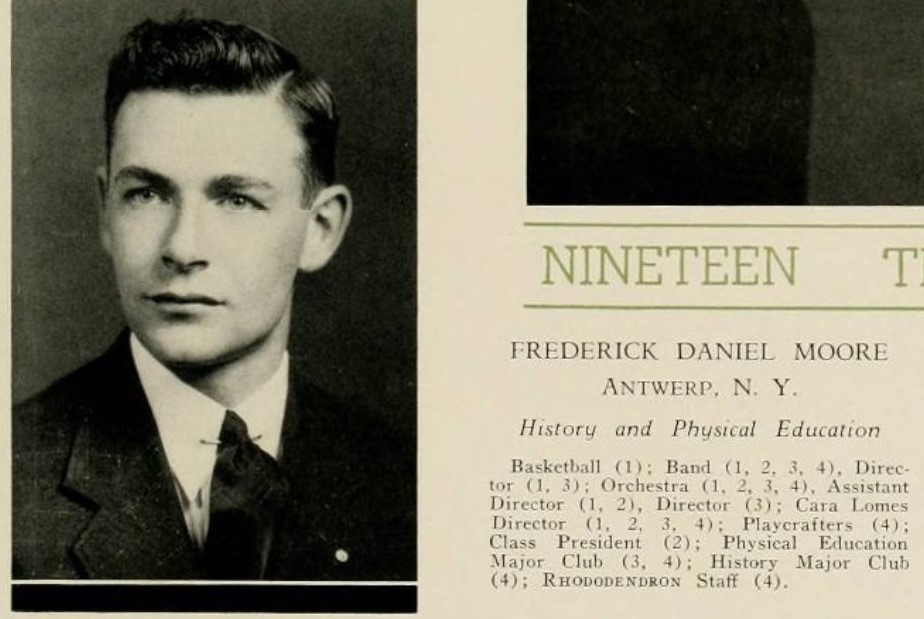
{"x": 867, "y": 126}
{"x": 354, "y": 322}
{"x": 694, "y": 74}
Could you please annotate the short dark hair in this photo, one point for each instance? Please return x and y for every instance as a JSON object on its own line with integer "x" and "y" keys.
{"x": 192, "y": 55}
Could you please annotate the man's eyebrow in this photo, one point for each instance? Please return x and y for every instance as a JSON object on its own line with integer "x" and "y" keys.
{"x": 138, "y": 173}
{"x": 235, "y": 182}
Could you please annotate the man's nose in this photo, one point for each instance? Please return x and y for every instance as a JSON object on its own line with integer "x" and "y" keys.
{"x": 183, "y": 249}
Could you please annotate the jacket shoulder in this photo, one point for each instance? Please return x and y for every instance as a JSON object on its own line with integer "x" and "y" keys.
{"x": 50, "y": 416}
{"x": 341, "y": 419}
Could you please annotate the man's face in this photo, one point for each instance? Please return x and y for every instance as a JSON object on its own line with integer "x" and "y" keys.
{"x": 205, "y": 220}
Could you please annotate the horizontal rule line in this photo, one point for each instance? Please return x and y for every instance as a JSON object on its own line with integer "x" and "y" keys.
{"x": 561, "y": 224}
{"x": 213, "y": 598}
{"x": 731, "y": 308}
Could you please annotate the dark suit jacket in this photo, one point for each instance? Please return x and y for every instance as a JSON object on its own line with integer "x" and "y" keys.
{"x": 93, "y": 496}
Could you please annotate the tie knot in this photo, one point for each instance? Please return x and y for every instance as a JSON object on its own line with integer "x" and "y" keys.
{"x": 247, "y": 491}
{"x": 233, "y": 430}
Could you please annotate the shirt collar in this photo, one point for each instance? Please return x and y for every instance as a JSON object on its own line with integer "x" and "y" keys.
{"x": 185, "y": 417}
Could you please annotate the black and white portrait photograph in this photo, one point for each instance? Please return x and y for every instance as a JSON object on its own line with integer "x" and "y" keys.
{"x": 732, "y": 102}
{"x": 213, "y": 292}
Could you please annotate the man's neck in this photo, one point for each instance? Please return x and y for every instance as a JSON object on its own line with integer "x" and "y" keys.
{"x": 227, "y": 385}
{"x": 231, "y": 382}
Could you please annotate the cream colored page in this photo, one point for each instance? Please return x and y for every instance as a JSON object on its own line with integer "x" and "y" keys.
{"x": 482, "y": 300}
{"x": 597, "y": 446}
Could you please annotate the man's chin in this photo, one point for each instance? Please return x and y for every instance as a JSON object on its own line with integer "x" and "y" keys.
{"x": 186, "y": 350}
{"x": 189, "y": 358}
{"x": 205, "y": 347}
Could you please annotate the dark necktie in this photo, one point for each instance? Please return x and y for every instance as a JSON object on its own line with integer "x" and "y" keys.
{"x": 248, "y": 490}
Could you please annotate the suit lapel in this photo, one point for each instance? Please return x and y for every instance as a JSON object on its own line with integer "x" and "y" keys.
{"x": 313, "y": 539}
{"x": 117, "y": 462}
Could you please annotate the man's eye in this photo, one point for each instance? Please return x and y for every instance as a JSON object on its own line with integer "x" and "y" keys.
{"x": 237, "y": 202}
{"x": 142, "y": 196}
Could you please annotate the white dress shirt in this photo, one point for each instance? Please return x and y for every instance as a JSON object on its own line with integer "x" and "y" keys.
{"x": 189, "y": 423}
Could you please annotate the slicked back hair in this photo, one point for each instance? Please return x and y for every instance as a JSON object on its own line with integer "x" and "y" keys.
{"x": 193, "y": 56}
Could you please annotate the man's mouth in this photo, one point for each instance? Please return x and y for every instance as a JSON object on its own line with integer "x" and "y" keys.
{"x": 170, "y": 298}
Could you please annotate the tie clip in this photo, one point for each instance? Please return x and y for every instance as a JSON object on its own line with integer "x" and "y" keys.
{"x": 206, "y": 441}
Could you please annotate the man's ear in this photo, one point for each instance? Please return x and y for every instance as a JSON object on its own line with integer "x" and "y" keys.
{"x": 328, "y": 219}
{"x": 102, "y": 182}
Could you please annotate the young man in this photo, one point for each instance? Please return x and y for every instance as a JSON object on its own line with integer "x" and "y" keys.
{"x": 191, "y": 449}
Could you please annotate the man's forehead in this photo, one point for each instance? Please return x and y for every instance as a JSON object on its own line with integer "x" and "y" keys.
{"x": 250, "y": 131}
